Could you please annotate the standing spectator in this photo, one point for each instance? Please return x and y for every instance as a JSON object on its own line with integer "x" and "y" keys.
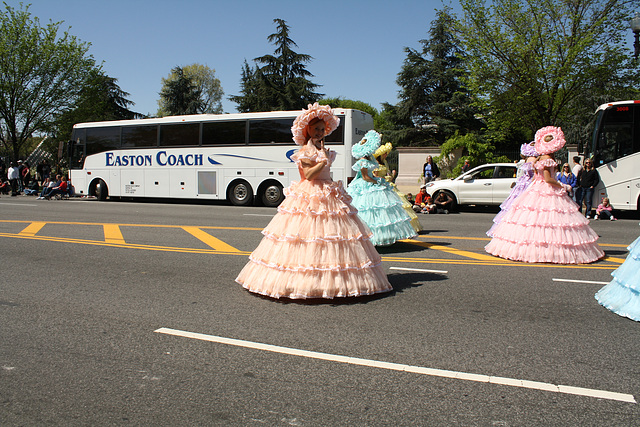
{"x": 26, "y": 175}
{"x": 589, "y": 178}
{"x": 14, "y": 177}
{"x": 20, "y": 169}
{"x": 577, "y": 171}
{"x": 466, "y": 166}
{"x": 430, "y": 170}
{"x": 3, "y": 170}
{"x": 46, "y": 170}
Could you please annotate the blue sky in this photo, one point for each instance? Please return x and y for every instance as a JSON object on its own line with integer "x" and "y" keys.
{"x": 357, "y": 46}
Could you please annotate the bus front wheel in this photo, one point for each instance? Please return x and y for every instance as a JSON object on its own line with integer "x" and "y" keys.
{"x": 101, "y": 190}
{"x": 240, "y": 193}
{"x": 272, "y": 195}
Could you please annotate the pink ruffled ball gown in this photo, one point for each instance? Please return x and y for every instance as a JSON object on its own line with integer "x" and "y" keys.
{"x": 544, "y": 225}
{"x": 315, "y": 246}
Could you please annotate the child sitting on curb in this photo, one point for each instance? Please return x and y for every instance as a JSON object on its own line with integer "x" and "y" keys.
{"x": 605, "y": 210}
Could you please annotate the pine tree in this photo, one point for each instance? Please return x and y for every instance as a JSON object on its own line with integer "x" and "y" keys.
{"x": 180, "y": 96}
{"x": 433, "y": 97}
{"x": 279, "y": 81}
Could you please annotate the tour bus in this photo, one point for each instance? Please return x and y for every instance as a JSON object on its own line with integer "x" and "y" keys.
{"x": 207, "y": 156}
{"x": 615, "y": 149}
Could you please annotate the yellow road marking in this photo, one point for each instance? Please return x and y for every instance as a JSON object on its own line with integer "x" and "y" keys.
{"x": 454, "y": 251}
{"x": 498, "y": 261}
{"x": 112, "y": 233}
{"x": 207, "y": 238}
{"x": 114, "y": 238}
{"x": 33, "y": 228}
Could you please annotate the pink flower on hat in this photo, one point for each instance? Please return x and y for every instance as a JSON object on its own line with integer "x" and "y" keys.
{"x": 549, "y": 139}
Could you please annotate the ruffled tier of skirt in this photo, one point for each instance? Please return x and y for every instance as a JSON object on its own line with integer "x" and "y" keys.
{"x": 380, "y": 208}
{"x": 621, "y": 298}
{"x": 408, "y": 208}
{"x": 315, "y": 247}
{"x": 622, "y": 295}
{"x": 544, "y": 225}
{"x": 521, "y": 185}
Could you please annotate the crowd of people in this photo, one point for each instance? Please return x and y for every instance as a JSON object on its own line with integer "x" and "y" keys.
{"x": 19, "y": 178}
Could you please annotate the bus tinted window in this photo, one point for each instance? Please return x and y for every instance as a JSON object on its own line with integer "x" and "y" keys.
{"x": 181, "y": 134}
{"x": 615, "y": 139}
{"x": 224, "y": 133}
{"x": 270, "y": 131}
{"x": 140, "y": 136}
{"x": 102, "y": 139}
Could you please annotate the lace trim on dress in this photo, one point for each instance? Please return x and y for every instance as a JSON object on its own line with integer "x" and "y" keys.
{"x": 300, "y": 268}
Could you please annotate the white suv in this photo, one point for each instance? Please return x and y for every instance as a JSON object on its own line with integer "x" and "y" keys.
{"x": 488, "y": 184}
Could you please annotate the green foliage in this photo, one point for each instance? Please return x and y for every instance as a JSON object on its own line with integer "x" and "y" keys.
{"x": 41, "y": 76}
{"x": 205, "y": 82}
{"x": 278, "y": 82}
{"x": 100, "y": 99}
{"x": 545, "y": 62}
{"x": 180, "y": 96}
{"x": 472, "y": 147}
{"x": 349, "y": 103}
{"x": 433, "y": 99}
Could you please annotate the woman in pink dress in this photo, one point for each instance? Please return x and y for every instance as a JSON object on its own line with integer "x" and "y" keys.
{"x": 543, "y": 224}
{"x": 315, "y": 246}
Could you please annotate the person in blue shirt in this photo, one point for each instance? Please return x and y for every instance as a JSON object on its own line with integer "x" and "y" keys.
{"x": 567, "y": 179}
{"x": 430, "y": 170}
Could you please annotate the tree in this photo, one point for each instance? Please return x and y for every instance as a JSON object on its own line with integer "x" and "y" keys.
{"x": 432, "y": 96}
{"x": 100, "y": 99}
{"x": 41, "y": 75}
{"x": 278, "y": 82}
{"x": 205, "y": 81}
{"x": 536, "y": 63}
{"x": 180, "y": 96}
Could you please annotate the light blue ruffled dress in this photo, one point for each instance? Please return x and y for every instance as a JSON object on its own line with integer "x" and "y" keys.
{"x": 379, "y": 206}
{"x": 622, "y": 294}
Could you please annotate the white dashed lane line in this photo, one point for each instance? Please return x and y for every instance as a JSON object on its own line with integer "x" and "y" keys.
{"x": 533, "y": 385}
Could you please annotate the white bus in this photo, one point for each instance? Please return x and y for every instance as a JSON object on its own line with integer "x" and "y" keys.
{"x": 209, "y": 156}
{"x": 615, "y": 149}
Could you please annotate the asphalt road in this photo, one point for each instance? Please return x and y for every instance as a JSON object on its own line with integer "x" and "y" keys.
{"x": 100, "y": 301}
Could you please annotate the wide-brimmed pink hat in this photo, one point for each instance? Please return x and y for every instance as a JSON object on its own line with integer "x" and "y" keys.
{"x": 549, "y": 140}
{"x": 323, "y": 112}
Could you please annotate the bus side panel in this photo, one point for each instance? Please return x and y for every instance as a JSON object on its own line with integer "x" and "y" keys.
{"x": 156, "y": 182}
{"x": 79, "y": 181}
{"x": 619, "y": 182}
{"x": 132, "y": 184}
{"x": 183, "y": 183}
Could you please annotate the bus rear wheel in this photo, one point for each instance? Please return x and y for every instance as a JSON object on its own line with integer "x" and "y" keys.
{"x": 240, "y": 193}
{"x": 101, "y": 190}
{"x": 272, "y": 195}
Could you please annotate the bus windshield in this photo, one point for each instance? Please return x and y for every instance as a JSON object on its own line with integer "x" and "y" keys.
{"x": 615, "y": 150}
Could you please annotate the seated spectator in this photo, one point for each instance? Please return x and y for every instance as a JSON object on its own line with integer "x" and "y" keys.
{"x": 605, "y": 210}
{"x": 429, "y": 206}
{"x": 443, "y": 202}
{"x": 567, "y": 179}
{"x": 410, "y": 198}
{"x": 60, "y": 189}
{"x": 48, "y": 185}
{"x": 5, "y": 187}
{"x": 421, "y": 199}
